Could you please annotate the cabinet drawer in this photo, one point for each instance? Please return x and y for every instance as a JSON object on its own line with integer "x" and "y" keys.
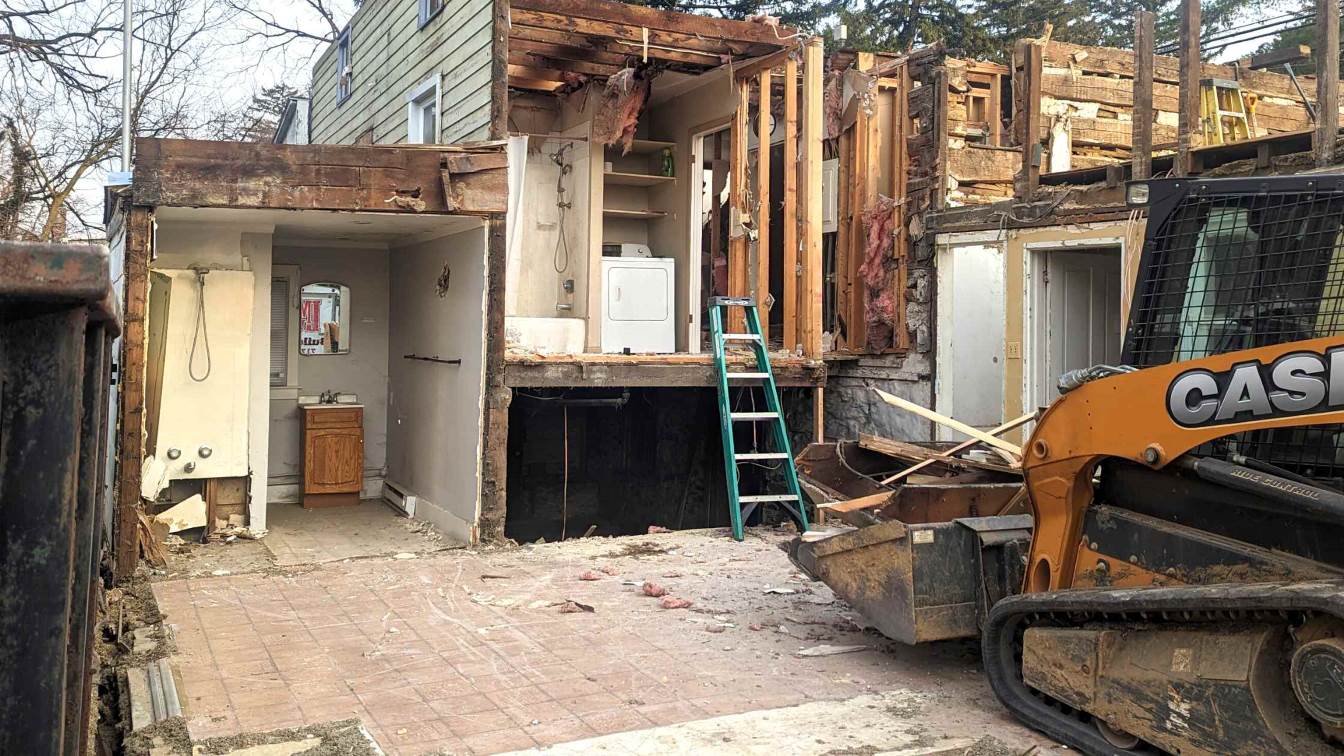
{"x": 351, "y": 417}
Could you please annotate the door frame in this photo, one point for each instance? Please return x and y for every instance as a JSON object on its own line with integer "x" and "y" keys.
{"x": 1036, "y": 309}
{"x": 696, "y": 238}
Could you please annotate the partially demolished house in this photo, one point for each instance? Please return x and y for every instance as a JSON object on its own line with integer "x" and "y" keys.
{"x": 960, "y": 264}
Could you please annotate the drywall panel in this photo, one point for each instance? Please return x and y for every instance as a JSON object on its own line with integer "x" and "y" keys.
{"x": 363, "y": 371}
{"x": 435, "y": 409}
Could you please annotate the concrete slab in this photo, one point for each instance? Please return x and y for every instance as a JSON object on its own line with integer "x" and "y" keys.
{"x": 312, "y": 536}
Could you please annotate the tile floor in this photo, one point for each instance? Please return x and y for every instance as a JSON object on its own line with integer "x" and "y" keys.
{"x": 463, "y": 652}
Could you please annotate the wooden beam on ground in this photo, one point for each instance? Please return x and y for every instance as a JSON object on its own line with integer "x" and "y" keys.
{"x": 961, "y": 447}
{"x": 738, "y": 212}
{"x": 763, "y": 204}
{"x": 789, "y": 242}
{"x": 1187, "y": 123}
{"x": 810, "y": 314}
{"x": 948, "y": 422}
{"x": 1327, "y": 82}
{"x": 137, "y": 247}
{"x": 1141, "y": 158}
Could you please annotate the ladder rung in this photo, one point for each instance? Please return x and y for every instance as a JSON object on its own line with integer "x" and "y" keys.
{"x": 762, "y": 498}
{"x": 761, "y": 455}
{"x": 747, "y": 376}
{"x": 753, "y": 415}
{"x": 741, "y": 337}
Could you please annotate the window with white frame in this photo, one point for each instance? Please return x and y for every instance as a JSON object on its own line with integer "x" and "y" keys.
{"x": 422, "y": 112}
{"x": 429, "y": 9}
{"x": 345, "y": 71}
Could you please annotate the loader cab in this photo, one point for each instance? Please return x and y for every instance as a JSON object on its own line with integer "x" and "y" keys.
{"x": 1233, "y": 264}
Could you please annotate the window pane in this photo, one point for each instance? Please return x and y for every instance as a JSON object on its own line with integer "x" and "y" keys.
{"x": 427, "y": 135}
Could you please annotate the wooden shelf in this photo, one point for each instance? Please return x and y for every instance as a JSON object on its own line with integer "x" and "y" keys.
{"x": 645, "y": 146}
{"x": 613, "y": 213}
{"x": 636, "y": 179}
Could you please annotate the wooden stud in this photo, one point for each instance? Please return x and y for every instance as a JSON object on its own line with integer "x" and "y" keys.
{"x": 789, "y": 260}
{"x": 811, "y": 162}
{"x": 498, "y": 397}
{"x": 1327, "y": 82}
{"x": 1187, "y": 124}
{"x": 762, "y": 293}
{"x": 130, "y": 448}
{"x": 995, "y": 108}
{"x": 499, "y": 70}
{"x": 1141, "y": 156}
{"x": 844, "y": 201}
{"x": 738, "y": 213}
{"x": 1032, "y": 65}
{"x": 900, "y": 167}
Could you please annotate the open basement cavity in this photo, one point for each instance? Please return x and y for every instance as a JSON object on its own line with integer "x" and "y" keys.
{"x": 617, "y": 461}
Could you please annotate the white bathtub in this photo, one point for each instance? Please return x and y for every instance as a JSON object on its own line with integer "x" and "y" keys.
{"x": 545, "y": 335}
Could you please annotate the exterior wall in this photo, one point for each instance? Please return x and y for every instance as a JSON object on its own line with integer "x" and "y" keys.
{"x": 390, "y": 56}
{"x": 362, "y": 372}
{"x": 1017, "y": 246}
{"x": 852, "y": 407}
{"x": 235, "y": 247}
{"x": 295, "y": 129}
{"x": 436, "y": 410}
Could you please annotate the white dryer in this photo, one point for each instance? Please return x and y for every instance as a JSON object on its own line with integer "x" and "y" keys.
{"x": 638, "y": 304}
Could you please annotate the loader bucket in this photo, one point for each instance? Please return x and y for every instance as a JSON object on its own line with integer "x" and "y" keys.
{"x": 925, "y": 566}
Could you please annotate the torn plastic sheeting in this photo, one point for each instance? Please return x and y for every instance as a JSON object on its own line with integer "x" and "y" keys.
{"x": 879, "y": 301}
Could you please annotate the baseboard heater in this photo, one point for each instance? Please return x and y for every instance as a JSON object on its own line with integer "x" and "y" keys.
{"x": 399, "y": 498}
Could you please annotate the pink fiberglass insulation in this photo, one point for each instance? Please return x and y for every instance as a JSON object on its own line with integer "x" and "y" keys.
{"x": 879, "y": 301}
{"x": 618, "y": 111}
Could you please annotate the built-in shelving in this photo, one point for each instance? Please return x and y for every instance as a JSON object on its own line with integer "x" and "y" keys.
{"x": 636, "y": 179}
{"x": 639, "y": 214}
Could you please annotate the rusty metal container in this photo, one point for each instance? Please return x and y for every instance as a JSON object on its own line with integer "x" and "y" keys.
{"x": 58, "y": 319}
{"x": 927, "y": 564}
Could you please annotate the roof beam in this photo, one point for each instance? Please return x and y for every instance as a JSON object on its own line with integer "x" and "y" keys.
{"x": 705, "y": 46}
{"x": 668, "y": 21}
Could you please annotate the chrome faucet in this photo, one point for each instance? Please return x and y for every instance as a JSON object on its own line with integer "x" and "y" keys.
{"x": 327, "y": 397}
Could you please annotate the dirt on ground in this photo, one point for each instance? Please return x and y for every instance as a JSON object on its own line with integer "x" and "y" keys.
{"x": 346, "y": 737}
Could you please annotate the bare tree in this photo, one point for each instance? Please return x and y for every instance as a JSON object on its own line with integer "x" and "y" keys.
{"x": 63, "y": 134}
{"x": 61, "y": 39}
{"x": 302, "y": 30}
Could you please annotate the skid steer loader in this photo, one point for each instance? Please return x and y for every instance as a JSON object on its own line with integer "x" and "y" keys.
{"x": 1183, "y": 591}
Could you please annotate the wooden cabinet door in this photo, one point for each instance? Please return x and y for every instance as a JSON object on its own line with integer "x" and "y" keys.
{"x": 333, "y": 460}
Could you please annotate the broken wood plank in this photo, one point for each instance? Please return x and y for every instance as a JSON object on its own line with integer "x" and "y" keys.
{"x": 923, "y": 454}
{"x": 963, "y": 446}
{"x": 854, "y": 505}
{"x": 948, "y": 422}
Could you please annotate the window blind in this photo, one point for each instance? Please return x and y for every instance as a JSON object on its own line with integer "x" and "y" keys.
{"x": 279, "y": 331}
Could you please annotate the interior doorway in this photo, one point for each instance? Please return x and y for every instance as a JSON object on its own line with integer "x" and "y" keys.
{"x": 1076, "y": 315}
{"x": 708, "y": 276}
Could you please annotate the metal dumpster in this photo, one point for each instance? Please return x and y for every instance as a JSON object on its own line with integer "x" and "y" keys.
{"x": 928, "y": 563}
{"x": 58, "y": 318}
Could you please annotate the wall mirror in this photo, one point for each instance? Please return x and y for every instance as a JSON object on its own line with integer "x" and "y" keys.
{"x": 324, "y": 316}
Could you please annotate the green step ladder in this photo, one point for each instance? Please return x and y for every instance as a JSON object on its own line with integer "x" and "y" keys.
{"x": 740, "y": 507}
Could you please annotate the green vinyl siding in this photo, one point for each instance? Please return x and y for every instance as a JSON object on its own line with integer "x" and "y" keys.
{"x": 390, "y": 55}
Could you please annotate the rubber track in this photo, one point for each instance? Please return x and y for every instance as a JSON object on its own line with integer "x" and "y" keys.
{"x": 1011, "y": 616}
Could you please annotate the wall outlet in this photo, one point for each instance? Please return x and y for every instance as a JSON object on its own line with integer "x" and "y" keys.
{"x": 1013, "y": 350}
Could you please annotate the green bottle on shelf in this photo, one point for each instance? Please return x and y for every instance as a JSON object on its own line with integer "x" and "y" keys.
{"x": 669, "y": 165}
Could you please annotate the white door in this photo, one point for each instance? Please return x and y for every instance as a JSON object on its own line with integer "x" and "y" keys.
{"x": 1082, "y": 317}
{"x": 969, "y": 385}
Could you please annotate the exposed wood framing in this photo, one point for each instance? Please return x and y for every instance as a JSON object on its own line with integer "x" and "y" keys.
{"x": 536, "y": 371}
{"x": 1142, "y": 123}
{"x": 495, "y": 405}
{"x": 464, "y": 179}
{"x": 139, "y": 237}
{"x": 941, "y": 118}
{"x": 1187, "y": 127}
{"x": 1327, "y": 82}
{"x": 1029, "y": 61}
{"x": 738, "y": 212}
{"x": 900, "y": 174}
{"x": 811, "y": 166}
{"x": 763, "y": 204}
{"x": 789, "y": 242}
